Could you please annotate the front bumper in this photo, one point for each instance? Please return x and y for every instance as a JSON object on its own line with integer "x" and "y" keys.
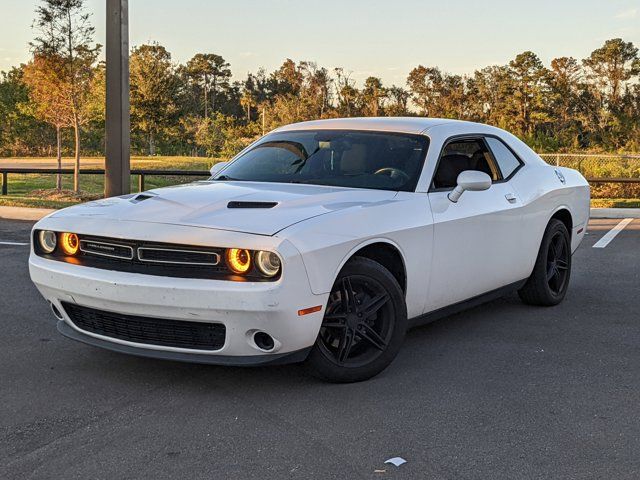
{"x": 243, "y": 307}
{"x": 248, "y": 361}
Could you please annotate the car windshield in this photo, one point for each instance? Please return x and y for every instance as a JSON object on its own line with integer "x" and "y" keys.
{"x": 344, "y": 158}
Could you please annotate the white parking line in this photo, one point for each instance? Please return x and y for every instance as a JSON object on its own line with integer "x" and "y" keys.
{"x": 611, "y": 234}
{"x": 13, "y": 243}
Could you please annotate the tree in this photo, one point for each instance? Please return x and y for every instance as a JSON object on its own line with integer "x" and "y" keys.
{"x": 20, "y": 132}
{"x": 347, "y": 94}
{"x": 373, "y": 95}
{"x": 398, "y": 104}
{"x": 47, "y": 93}
{"x": 66, "y": 40}
{"x": 528, "y": 76}
{"x": 153, "y": 91}
{"x": 565, "y": 84}
{"x": 487, "y": 94}
{"x": 210, "y": 72}
{"x": 610, "y": 66}
{"x": 425, "y": 84}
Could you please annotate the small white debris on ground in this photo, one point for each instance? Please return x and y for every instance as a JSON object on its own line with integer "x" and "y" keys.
{"x": 396, "y": 461}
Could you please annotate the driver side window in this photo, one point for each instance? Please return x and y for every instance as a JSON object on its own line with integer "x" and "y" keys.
{"x": 460, "y": 155}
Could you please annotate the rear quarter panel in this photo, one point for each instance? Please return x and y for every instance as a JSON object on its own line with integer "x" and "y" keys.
{"x": 543, "y": 194}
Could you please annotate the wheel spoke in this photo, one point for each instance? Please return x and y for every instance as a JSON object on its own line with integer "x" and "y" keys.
{"x": 555, "y": 280}
{"x": 348, "y": 297}
{"x": 551, "y": 271}
{"x": 552, "y": 251}
{"x": 562, "y": 264}
{"x": 335, "y": 320}
{"x": 375, "y": 304}
{"x": 560, "y": 247}
{"x": 371, "y": 336}
{"x": 344, "y": 348}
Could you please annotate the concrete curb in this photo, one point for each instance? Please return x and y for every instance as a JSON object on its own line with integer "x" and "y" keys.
{"x": 24, "y": 213}
{"x": 34, "y": 214}
{"x": 615, "y": 213}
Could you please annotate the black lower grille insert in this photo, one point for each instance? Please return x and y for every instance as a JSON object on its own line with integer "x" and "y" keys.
{"x": 152, "y": 331}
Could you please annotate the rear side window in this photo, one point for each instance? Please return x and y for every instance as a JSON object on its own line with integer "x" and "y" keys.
{"x": 505, "y": 159}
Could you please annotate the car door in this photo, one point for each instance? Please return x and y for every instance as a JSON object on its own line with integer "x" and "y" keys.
{"x": 476, "y": 240}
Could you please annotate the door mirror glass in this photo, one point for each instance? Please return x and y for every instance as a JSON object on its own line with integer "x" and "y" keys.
{"x": 472, "y": 180}
{"x": 217, "y": 167}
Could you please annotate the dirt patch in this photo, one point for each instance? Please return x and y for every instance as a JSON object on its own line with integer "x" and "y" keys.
{"x": 64, "y": 195}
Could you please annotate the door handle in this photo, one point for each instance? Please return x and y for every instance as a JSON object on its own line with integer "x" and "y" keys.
{"x": 511, "y": 198}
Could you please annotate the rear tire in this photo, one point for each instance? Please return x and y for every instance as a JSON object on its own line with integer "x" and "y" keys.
{"x": 549, "y": 281}
{"x": 364, "y": 324}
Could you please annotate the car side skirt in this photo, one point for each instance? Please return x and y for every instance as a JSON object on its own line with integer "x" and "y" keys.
{"x": 229, "y": 360}
{"x": 465, "y": 304}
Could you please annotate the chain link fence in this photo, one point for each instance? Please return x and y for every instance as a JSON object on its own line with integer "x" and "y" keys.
{"x": 596, "y": 166}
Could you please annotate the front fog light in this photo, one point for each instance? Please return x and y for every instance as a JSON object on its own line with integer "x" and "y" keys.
{"x": 48, "y": 240}
{"x": 268, "y": 263}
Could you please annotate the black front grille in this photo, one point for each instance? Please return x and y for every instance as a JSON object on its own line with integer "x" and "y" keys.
{"x": 175, "y": 256}
{"x": 152, "y": 331}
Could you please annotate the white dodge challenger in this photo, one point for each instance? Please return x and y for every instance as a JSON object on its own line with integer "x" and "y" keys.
{"x": 321, "y": 242}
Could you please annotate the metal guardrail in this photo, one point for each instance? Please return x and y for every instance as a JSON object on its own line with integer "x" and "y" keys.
{"x": 142, "y": 173}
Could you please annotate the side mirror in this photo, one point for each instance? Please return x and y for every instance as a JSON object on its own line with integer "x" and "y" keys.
{"x": 472, "y": 180}
{"x": 217, "y": 167}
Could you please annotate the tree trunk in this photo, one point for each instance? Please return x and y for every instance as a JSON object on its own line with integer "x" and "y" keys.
{"x": 59, "y": 156}
{"x": 213, "y": 94}
{"x": 152, "y": 144}
{"x": 76, "y": 171}
{"x": 206, "y": 100}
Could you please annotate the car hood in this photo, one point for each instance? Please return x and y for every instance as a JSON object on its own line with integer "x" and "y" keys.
{"x": 206, "y": 205}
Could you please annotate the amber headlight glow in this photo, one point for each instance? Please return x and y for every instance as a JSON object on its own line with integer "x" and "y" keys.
{"x": 268, "y": 263}
{"x": 69, "y": 243}
{"x": 48, "y": 240}
{"x": 239, "y": 260}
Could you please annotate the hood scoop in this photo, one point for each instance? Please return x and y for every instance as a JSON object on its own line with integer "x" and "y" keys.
{"x": 239, "y": 204}
{"x": 141, "y": 197}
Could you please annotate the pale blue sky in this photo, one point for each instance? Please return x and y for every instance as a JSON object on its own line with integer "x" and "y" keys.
{"x": 367, "y": 37}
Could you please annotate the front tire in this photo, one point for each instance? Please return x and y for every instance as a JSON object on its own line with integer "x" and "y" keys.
{"x": 549, "y": 281}
{"x": 364, "y": 324}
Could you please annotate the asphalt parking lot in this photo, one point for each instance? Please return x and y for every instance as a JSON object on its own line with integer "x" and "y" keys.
{"x": 503, "y": 391}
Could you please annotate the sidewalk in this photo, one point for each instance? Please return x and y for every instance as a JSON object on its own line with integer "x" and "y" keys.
{"x": 34, "y": 214}
{"x": 23, "y": 213}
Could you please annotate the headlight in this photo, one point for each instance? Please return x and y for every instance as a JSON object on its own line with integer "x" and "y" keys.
{"x": 70, "y": 243}
{"x": 268, "y": 263}
{"x": 48, "y": 240}
{"x": 239, "y": 260}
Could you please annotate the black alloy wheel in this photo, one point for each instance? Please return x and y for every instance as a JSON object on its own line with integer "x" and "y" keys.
{"x": 558, "y": 263}
{"x": 358, "y": 323}
{"x": 364, "y": 324}
{"x": 549, "y": 280}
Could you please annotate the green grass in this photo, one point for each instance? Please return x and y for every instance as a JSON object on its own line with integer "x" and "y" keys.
{"x": 615, "y": 202}
{"x": 26, "y": 190}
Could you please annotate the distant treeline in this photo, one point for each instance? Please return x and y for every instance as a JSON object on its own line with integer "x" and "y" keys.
{"x": 197, "y": 108}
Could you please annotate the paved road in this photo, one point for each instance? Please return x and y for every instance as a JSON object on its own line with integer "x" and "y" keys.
{"x": 37, "y": 162}
{"x": 503, "y": 391}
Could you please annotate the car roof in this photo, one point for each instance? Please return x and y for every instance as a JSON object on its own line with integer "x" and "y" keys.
{"x": 387, "y": 124}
